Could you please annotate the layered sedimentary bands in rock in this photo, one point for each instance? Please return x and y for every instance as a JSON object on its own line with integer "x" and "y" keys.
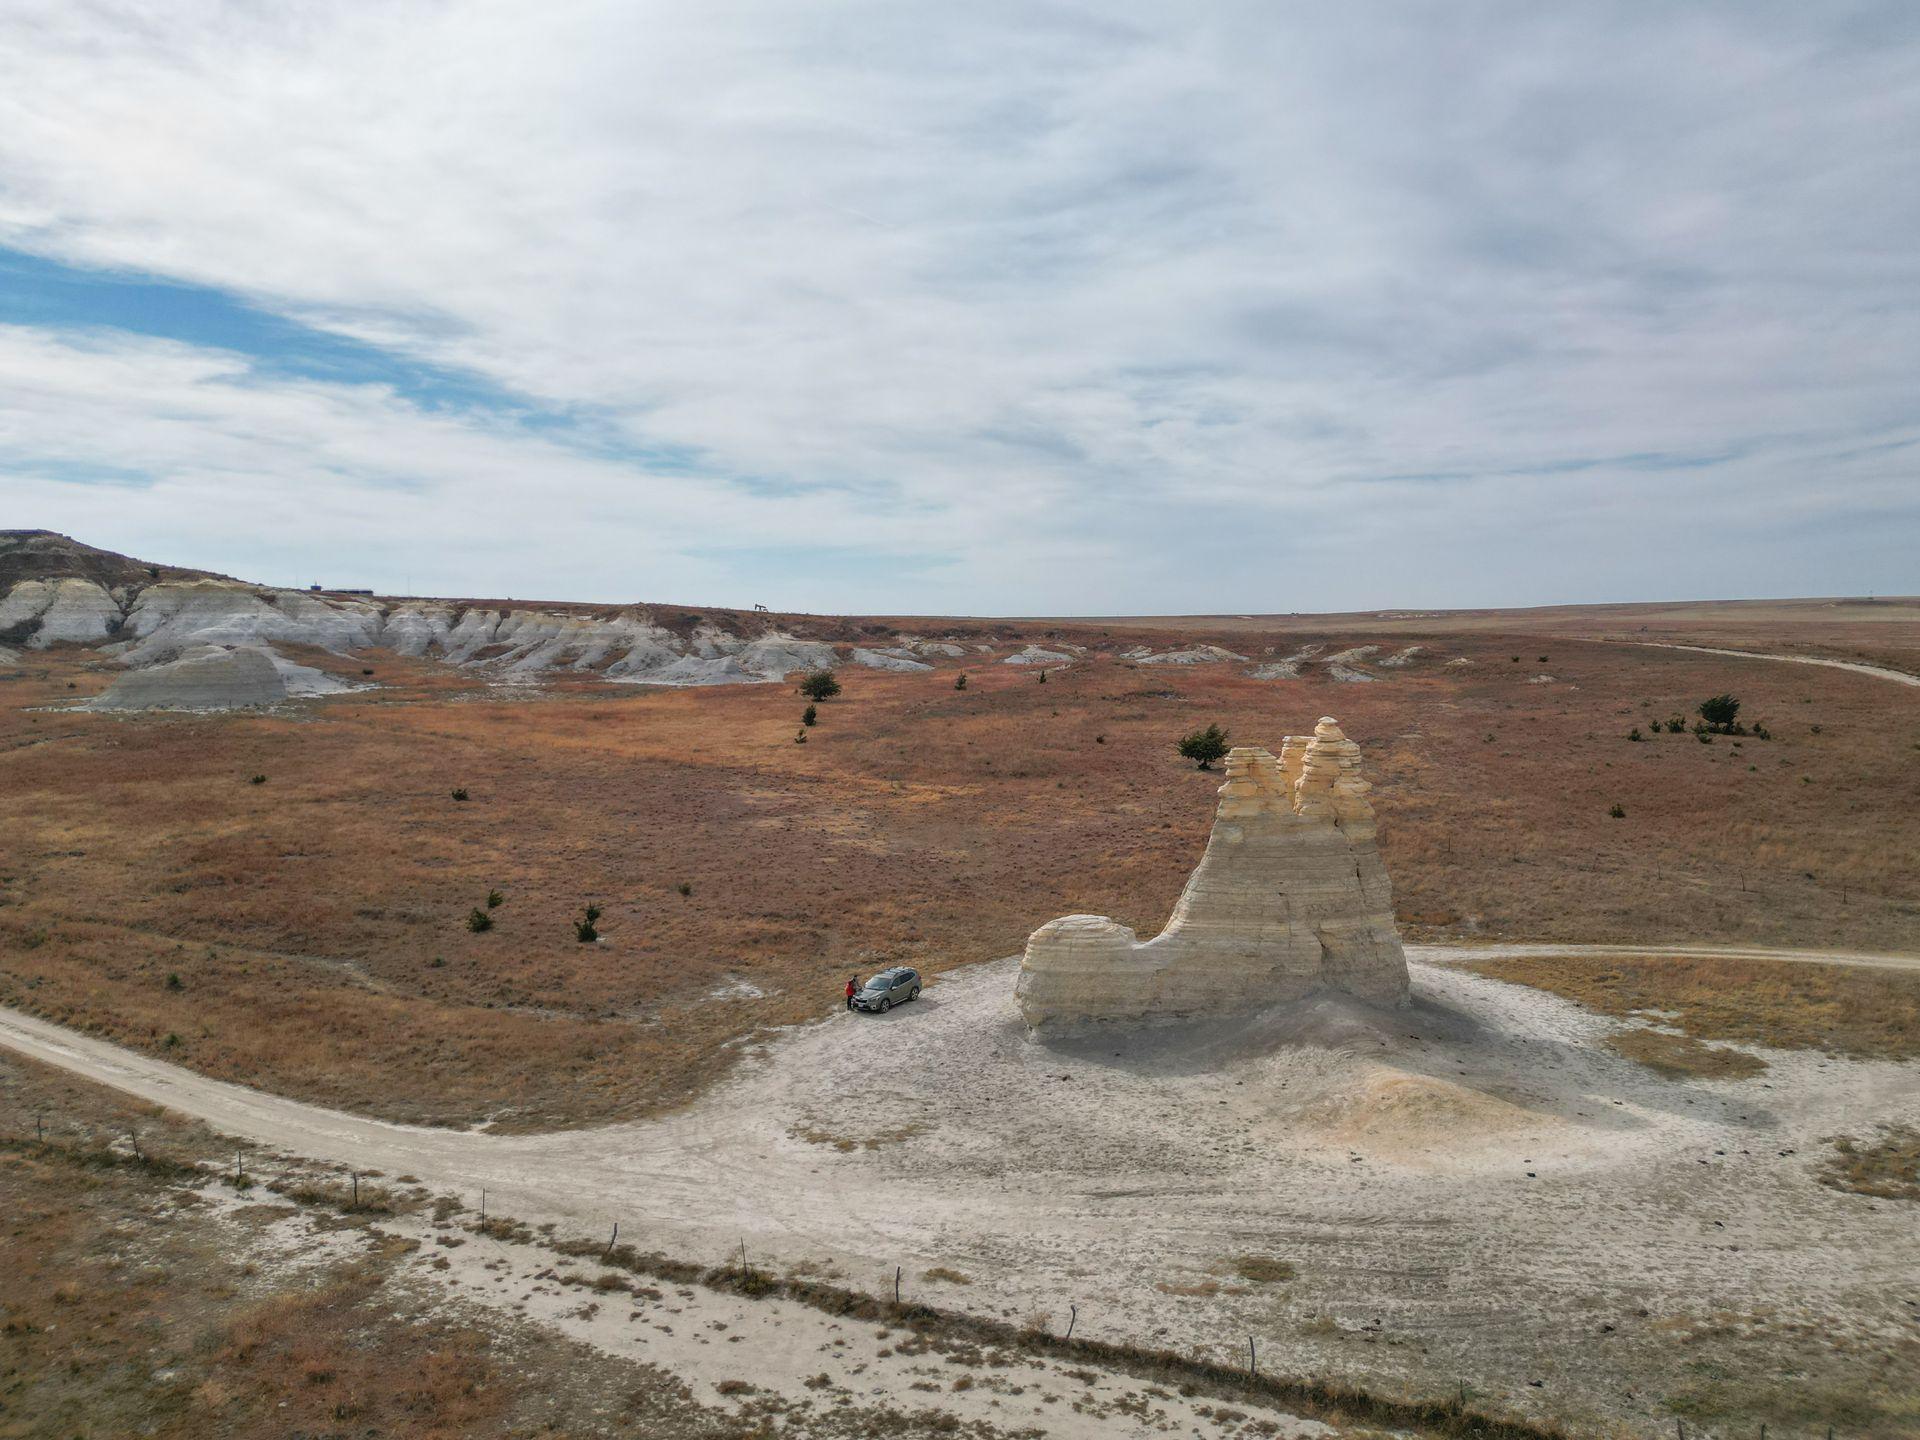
{"x": 57, "y": 591}
{"x": 1290, "y": 898}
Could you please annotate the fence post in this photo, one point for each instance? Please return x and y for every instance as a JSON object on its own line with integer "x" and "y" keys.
{"x": 1253, "y": 1360}
{"x": 896, "y": 1284}
{"x": 354, "y": 1176}
{"x": 611, "y": 1242}
{"x": 1073, "y": 1318}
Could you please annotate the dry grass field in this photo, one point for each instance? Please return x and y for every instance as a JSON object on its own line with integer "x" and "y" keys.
{"x": 129, "y": 1311}
{"x": 308, "y": 933}
{"x": 1865, "y": 1013}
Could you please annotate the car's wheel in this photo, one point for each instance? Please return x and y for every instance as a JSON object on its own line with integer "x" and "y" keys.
{"x": 914, "y": 994}
{"x": 886, "y": 1004}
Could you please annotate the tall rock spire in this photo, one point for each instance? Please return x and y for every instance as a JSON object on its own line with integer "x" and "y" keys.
{"x": 1291, "y": 897}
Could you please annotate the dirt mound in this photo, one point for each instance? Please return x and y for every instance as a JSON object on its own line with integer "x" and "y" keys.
{"x": 1403, "y": 1116}
{"x": 209, "y": 679}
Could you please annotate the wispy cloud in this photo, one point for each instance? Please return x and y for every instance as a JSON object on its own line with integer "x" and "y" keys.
{"x": 987, "y": 308}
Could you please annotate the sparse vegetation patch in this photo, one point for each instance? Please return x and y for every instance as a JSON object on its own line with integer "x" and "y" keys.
{"x": 1887, "y": 1168}
{"x": 1858, "y": 1011}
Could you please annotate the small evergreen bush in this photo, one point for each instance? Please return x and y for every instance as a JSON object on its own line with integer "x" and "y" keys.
{"x": 583, "y": 929}
{"x": 1203, "y": 747}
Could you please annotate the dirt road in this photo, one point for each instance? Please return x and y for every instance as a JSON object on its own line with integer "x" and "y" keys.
{"x": 1472, "y": 1190}
{"x": 1881, "y": 671}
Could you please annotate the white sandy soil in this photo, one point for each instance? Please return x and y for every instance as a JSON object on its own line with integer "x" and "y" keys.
{"x": 1476, "y": 1190}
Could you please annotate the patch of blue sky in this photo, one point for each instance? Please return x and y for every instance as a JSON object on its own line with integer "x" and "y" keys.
{"x": 47, "y": 294}
{"x": 76, "y": 472}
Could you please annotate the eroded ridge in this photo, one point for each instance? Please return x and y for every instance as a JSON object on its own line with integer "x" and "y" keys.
{"x": 1290, "y": 898}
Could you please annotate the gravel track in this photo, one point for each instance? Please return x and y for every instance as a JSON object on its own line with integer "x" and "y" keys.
{"x": 1468, "y": 1190}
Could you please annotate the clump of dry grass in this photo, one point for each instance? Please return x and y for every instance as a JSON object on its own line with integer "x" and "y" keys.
{"x": 1682, "y": 1056}
{"x": 1263, "y": 1269}
{"x": 1850, "y": 1010}
{"x": 1888, "y": 1169}
{"x": 946, "y": 1275}
{"x": 845, "y": 1144}
{"x": 1195, "y": 1289}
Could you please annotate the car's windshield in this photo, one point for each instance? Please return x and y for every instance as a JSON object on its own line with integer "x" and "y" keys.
{"x": 881, "y": 981}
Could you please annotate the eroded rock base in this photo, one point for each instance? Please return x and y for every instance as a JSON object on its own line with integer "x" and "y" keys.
{"x": 1290, "y": 898}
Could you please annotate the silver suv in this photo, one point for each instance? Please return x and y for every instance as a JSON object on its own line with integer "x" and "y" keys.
{"x": 888, "y": 989}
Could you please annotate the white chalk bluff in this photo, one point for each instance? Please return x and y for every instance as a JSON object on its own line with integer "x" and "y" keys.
{"x": 1290, "y": 898}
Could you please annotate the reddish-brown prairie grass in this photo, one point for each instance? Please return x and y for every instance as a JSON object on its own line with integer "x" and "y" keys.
{"x": 316, "y": 922}
{"x": 1848, "y": 1010}
{"x": 127, "y": 1310}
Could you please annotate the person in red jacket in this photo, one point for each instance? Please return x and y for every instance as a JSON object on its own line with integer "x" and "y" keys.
{"x": 851, "y": 987}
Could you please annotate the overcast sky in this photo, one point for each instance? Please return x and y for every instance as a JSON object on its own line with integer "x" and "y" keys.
{"x": 970, "y": 308}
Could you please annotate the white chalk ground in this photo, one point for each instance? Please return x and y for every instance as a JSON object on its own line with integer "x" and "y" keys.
{"x": 711, "y": 1339}
{"x": 1469, "y": 1190}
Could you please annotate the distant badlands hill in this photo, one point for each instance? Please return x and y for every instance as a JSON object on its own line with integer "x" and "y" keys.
{"x": 191, "y": 639}
{"x": 195, "y": 640}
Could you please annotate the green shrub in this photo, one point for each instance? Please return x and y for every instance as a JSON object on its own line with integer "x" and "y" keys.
{"x": 460, "y": 793}
{"x": 809, "y": 715}
{"x": 173, "y": 981}
{"x": 960, "y": 682}
{"x": 1619, "y": 811}
{"x": 584, "y": 929}
{"x": 1719, "y": 711}
{"x": 258, "y": 780}
{"x": 685, "y": 888}
{"x": 819, "y": 685}
{"x": 1203, "y": 747}
{"x": 479, "y": 920}
{"x": 495, "y": 899}
{"x": 1634, "y": 734}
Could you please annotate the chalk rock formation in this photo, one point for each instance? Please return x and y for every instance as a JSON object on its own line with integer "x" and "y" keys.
{"x": 893, "y": 657}
{"x": 1038, "y": 655}
{"x": 72, "y": 610}
{"x": 1192, "y": 655}
{"x": 1346, "y": 664}
{"x": 210, "y": 678}
{"x": 1291, "y": 897}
